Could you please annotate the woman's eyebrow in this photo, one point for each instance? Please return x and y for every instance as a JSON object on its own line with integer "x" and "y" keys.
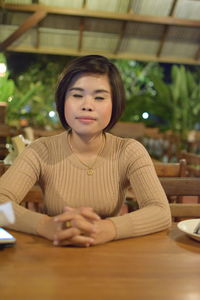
{"x": 76, "y": 89}
{"x": 102, "y": 91}
{"x": 82, "y": 90}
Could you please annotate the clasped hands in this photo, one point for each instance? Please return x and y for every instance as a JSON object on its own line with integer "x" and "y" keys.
{"x": 86, "y": 228}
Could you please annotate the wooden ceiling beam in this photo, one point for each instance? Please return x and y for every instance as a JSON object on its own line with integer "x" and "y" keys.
{"x": 121, "y": 36}
{"x": 123, "y": 29}
{"x": 105, "y": 15}
{"x": 129, "y": 7}
{"x": 197, "y": 55}
{"x": 29, "y": 23}
{"x": 166, "y": 29}
{"x": 134, "y": 56}
{"x": 37, "y": 43}
{"x": 82, "y": 23}
{"x": 84, "y": 4}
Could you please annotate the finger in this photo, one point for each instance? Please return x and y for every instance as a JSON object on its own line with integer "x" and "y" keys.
{"x": 87, "y": 212}
{"x": 81, "y": 240}
{"x": 83, "y": 225}
{"x": 78, "y": 240}
{"x": 66, "y": 216}
{"x": 69, "y": 216}
{"x": 84, "y": 211}
{"x": 77, "y": 221}
{"x": 66, "y": 234}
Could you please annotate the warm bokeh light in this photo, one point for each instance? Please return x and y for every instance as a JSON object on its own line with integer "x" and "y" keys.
{"x": 52, "y": 114}
{"x": 145, "y": 115}
{"x": 3, "y": 69}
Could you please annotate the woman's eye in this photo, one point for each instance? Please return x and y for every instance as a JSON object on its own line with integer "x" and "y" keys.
{"x": 77, "y": 96}
{"x": 99, "y": 98}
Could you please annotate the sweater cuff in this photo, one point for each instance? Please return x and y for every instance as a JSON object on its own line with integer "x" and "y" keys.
{"x": 27, "y": 223}
{"x": 121, "y": 224}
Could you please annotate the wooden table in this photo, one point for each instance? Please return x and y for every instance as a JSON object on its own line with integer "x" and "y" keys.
{"x": 164, "y": 265}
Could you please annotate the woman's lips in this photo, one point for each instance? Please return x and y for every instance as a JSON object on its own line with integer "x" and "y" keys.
{"x": 86, "y": 120}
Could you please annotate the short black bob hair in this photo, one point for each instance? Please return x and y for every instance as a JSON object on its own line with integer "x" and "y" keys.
{"x": 95, "y": 64}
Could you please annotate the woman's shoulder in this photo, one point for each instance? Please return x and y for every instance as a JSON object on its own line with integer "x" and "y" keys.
{"x": 49, "y": 141}
{"x": 45, "y": 145}
{"x": 126, "y": 144}
{"x": 127, "y": 150}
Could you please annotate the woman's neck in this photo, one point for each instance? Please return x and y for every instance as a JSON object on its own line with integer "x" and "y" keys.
{"x": 86, "y": 144}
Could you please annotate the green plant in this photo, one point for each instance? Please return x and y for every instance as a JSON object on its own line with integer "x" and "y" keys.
{"x": 139, "y": 86}
{"x": 20, "y": 106}
{"x": 34, "y": 91}
{"x": 177, "y": 103}
{"x": 174, "y": 105}
{"x": 34, "y": 94}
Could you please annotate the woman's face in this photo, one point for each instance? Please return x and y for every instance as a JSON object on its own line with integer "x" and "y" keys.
{"x": 88, "y": 104}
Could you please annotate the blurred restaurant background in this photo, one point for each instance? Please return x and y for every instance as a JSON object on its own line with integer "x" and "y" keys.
{"x": 154, "y": 43}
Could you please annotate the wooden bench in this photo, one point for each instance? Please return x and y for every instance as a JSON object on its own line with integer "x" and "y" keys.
{"x": 34, "y": 195}
{"x": 167, "y": 170}
{"x": 178, "y": 169}
{"x": 193, "y": 163}
{"x": 185, "y": 186}
{"x": 128, "y": 130}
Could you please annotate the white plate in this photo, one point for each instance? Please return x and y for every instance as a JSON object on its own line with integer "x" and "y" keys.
{"x": 188, "y": 227}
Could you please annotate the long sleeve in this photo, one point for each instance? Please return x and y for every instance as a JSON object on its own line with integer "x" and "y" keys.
{"x": 154, "y": 212}
{"x": 15, "y": 184}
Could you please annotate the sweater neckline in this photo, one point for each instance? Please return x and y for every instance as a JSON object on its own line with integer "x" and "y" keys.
{"x": 101, "y": 158}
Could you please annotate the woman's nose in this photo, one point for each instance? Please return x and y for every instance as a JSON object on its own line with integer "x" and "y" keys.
{"x": 87, "y": 104}
{"x": 87, "y": 108}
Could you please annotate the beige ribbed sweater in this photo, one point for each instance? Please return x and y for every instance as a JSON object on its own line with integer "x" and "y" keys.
{"x": 64, "y": 181}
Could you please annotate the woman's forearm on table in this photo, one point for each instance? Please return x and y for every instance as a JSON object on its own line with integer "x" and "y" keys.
{"x": 143, "y": 221}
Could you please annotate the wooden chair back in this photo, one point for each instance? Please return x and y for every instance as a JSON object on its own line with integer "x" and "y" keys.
{"x": 34, "y": 196}
{"x": 178, "y": 169}
{"x": 185, "y": 186}
{"x": 167, "y": 170}
{"x": 3, "y": 168}
{"x": 193, "y": 163}
{"x": 128, "y": 130}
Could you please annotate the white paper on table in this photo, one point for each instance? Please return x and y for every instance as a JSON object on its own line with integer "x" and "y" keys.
{"x": 6, "y": 214}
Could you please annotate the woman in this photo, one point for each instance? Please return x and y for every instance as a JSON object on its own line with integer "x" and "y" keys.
{"x": 84, "y": 172}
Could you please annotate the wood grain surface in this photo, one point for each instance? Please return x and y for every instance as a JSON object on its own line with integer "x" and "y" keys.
{"x": 163, "y": 266}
